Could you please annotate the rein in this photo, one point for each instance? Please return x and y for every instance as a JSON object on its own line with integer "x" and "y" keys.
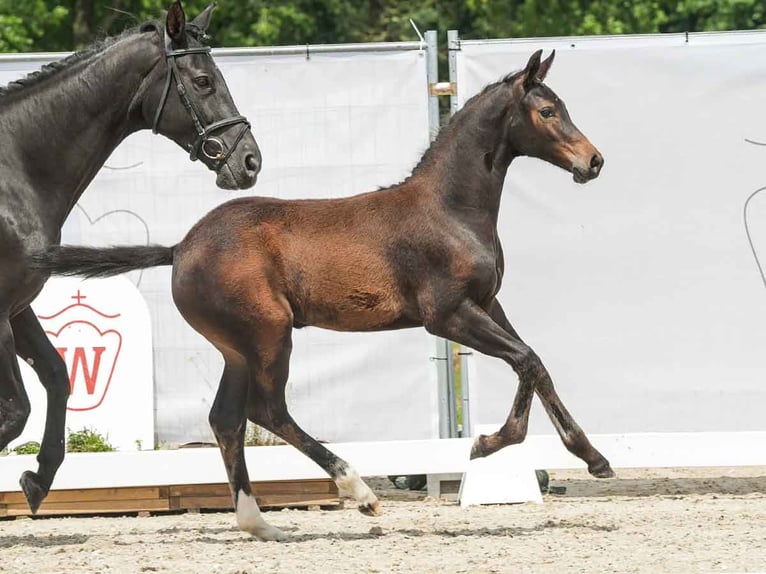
{"x": 211, "y": 147}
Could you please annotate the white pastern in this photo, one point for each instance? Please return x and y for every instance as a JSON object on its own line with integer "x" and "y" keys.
{"x": 351, "y": 482}
{"x": 249, "y": 520}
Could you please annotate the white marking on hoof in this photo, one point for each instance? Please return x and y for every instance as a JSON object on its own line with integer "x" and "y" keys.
{"x": 249, "y": 520}
{"x": 351, "y": 482}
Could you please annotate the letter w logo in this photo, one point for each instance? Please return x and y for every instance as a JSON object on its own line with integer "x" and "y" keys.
{"x": 80, "y": 363}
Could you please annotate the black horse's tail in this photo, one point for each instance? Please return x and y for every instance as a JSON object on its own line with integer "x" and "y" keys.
{"x": 99, "y": 261}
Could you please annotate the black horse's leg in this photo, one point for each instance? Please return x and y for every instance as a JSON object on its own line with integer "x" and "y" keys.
{"x": 33, "y": 346}
{"x": 267, "y": 407}
{"x": 227, "y": 419}
{"x": 570, "y": 432}
{"x": 14, "y": 404}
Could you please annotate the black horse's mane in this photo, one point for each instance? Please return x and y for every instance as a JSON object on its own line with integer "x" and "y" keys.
{"x": 89, "y": 51}
{"x": 57, "y": 66}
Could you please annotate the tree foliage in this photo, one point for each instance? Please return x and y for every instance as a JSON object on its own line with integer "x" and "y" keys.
{"x": 63, "y": 25}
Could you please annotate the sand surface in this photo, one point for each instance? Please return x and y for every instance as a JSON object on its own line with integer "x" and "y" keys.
{"x": 660, "y": 520}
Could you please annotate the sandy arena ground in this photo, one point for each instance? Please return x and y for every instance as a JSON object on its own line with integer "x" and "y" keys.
{"x": 664, "y": 520}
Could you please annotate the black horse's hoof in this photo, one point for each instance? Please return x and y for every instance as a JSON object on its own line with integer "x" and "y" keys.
{"x": 601, "y": 470}
{"x": 33, "y": 489}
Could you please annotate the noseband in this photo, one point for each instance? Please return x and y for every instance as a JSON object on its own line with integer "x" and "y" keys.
{"x": 211, "y": 147}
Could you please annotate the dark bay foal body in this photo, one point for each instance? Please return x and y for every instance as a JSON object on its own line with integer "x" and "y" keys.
{"x": 421, "y": 253}
{"x": 57, "y": 128}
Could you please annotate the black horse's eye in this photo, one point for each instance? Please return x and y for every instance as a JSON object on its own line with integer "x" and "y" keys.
{"x": 202, "y": 82}
{"x": 547, "y": 113}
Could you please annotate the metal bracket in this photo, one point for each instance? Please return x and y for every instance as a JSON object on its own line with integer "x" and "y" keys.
{"x": 442, "y": 89}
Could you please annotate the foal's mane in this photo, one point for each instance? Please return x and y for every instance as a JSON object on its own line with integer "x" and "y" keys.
{"x": 446, "y": 130}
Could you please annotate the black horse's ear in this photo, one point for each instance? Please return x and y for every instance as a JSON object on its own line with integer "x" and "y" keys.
{"x": 202, "y": 21}
{"x": 545, "y": 65}
{"x": 530, "y": 72}
{"x": 175, "y": 24}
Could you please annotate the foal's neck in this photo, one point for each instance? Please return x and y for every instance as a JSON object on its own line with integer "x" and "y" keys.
{"x": 471, "y": 157}
{"x": 67, "y": 126}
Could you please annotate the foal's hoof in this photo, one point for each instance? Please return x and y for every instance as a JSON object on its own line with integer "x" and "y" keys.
{"x": 371, "y": 508}
{"x": 478, "y": 449}
{"x": 269, "y": 533}
{"x": 33, "y": 489}
{"x": 601, "y": 470}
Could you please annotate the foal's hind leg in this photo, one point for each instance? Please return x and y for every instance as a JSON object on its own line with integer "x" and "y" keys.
{"x": 268, "y": 408}
{"x": 227, "y": 419}
{"x": 33, "y": 345}
{"x": 570, "y": 432}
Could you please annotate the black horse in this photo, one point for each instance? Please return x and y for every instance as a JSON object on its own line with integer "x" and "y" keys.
{"x": 57, "y": 128}
{"x": 423, "y": 252}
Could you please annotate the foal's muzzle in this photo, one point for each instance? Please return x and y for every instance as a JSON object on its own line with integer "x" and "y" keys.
{"x": 583, "y": 174}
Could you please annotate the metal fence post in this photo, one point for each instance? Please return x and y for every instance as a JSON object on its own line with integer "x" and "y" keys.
{"x": 432, "y": 74}
{"x": 453, "y": 46}
{"x": 443, "y": 356}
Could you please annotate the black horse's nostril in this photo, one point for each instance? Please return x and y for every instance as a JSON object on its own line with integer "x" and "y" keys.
{"x": 596, "y": 161}
{"x": 253, "y": 163}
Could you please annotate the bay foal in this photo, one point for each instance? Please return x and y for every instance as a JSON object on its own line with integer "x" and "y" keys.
{"x": 424, "y": 252}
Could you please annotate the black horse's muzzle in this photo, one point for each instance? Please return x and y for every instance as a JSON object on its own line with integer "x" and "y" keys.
{"x": 207, "y": 144}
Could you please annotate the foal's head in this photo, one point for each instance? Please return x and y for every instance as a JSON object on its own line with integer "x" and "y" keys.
{"x": 539, "y": 124}
{"x": 188, "y": 101}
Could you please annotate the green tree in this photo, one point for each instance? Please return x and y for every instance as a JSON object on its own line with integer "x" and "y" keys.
{"x": 63, "y": 25}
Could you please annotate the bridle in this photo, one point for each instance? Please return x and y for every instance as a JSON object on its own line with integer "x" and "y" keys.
{"x": 211, "y": 147}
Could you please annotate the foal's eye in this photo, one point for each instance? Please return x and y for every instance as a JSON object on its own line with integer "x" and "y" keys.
{"x": 202, "y": 82}
{"x": 547, "y": 113}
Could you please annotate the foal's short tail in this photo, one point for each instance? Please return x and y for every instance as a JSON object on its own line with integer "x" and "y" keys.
{"x": 99, "y": 261}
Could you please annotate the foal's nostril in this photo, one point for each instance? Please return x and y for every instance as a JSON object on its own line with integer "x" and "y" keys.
{"x": 596, "y": 161}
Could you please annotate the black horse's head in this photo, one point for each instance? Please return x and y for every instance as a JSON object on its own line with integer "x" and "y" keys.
{"x": 187, "y": 100}
{"x": 540, "y": 125}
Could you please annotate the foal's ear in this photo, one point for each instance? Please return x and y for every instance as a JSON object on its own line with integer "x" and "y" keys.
{"x": 532, "y": 69}
{"x": 175, "y": 25}
{"x": 545, "y": 65}
{"x": 202, "y": 21}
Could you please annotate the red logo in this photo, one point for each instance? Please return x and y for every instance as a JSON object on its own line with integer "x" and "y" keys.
{"x": 90, "y": 352}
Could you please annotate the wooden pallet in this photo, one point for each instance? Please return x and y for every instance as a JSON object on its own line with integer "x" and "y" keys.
{"x": 271, "y": 494}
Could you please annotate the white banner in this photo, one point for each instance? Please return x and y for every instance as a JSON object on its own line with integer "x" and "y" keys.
{"x": 330, "y": 124}
{"x": 101, "y": 328}
{"x": 639, "y": 290}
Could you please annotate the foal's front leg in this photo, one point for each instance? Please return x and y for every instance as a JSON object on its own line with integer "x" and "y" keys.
{"x": 493, "y": 335}
{"x": 227, "y": 419}
{"x": 470, "y": 325}
{"x": 570, "y": 432}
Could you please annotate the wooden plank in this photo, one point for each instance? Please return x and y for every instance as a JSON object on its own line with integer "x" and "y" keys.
{"x": 272, "y": 501}
{"x": 279, "y": 501}
{"x": 211, "y": 502}
{"x": 90, "y": 507}
{"x": 270, "y": 494}
{"x": 84, "y": 495}
{"x": 326, "y": 486}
